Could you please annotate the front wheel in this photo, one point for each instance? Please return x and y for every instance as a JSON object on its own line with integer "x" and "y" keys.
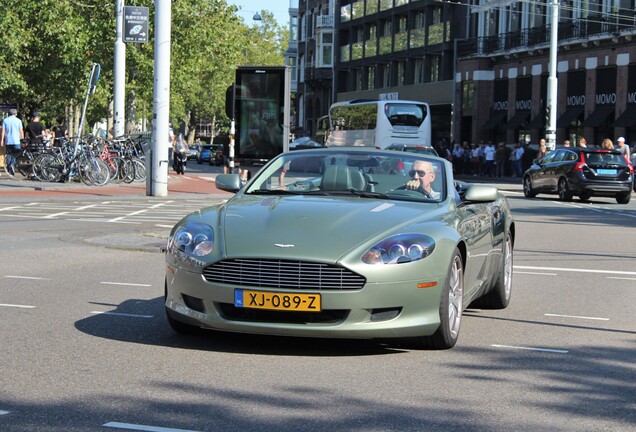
{"x": 528, "y": 191}
{"x": 450, "y": 308}
{"x": 564, "y": 190}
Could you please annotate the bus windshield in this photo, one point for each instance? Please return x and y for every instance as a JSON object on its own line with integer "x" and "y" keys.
{"x": 402, "y": 114}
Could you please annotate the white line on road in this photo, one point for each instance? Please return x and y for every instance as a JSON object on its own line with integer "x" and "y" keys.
{"x": 125, "y": 284}
{"x": 627, "y": 273}
{"x": 531, "y": 349}
{"x": 25, "y": 277}
{"x": 164, "y": 226}
{"x": 121, "y": 314}
{"x": 4, "y": 412}
{"x": 577, "y": 317}
{"x": 536, "y": 273}
{"x": 140, "y": 211}
{"x": 137, "y": 427}
{"x": 17, "y": 306}
{"x": 620, "y": 278}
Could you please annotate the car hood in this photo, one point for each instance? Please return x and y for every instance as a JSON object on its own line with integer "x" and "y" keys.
{"x": 317, "y": 228}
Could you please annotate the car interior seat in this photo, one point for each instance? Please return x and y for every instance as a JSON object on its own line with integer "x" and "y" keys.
{"x": 343, "y": 177}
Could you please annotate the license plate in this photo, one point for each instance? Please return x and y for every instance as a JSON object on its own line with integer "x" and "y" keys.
{"x": 602, "y": 171}
{"x": 277, "y": 301}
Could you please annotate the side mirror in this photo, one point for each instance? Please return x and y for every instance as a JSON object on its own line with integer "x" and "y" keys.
{"x": 228, "y": 182}
{"x": 481, "y": 193}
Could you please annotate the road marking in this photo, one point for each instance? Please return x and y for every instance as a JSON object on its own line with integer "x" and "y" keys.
{"x": 25, "y": 277}
{"x": 532, "y": 349}
{"x": 121, "y": 314}
{"x": 164, "y": 226}
{"x": 4, "y": 412}
{"x": 620, "y": 278}
{"x": 536, "y": 273}
{"x": 10, "y": 208}
{"x": 627, "y": 273}
{"x": 140, "y": 211}
{"x": 17, "y": 306}
{"x": 131, "y": 426}
{"x": 125, "y": 284}
{"x": 577, "y": 317}
{"x": 599, "y": 209}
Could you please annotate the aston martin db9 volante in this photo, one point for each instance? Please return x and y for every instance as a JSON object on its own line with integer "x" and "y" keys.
{"x": 364, "y": 244}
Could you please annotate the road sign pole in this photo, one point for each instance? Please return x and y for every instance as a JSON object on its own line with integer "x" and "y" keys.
{"x": 119, "y": 72}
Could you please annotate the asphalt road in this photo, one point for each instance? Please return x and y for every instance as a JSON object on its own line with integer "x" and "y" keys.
{"x": 86, "y": 347}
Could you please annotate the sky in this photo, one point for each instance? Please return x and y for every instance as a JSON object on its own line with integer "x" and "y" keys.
{"x": 280, "y": 9}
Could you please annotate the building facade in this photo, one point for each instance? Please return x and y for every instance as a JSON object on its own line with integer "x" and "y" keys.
{"x": 315, "y": 63}
{"x": 503, "y": 68}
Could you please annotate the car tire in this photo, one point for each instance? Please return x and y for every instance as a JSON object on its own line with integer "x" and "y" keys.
{"x": 528, "y": 191}
{"x": 624, "y": 198}
{"x": 450, "y": 309}
{"x": 199, "y": 161}
{"x": 585, "y": 196}
{"x": 499, "y": 296}
{"x": 182, "y": 328}
{"x": 564, "y": 190}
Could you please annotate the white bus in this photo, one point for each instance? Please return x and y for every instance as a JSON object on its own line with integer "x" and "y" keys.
{"x": 379, "y": 123}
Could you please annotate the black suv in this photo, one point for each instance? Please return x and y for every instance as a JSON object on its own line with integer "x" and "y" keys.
{"x": 581, "y": 171}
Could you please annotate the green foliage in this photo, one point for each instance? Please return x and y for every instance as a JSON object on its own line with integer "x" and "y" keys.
{"x": 49, "y": 46}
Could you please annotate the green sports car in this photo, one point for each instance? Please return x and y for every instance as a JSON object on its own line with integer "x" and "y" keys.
{"x": 342, "y": 243}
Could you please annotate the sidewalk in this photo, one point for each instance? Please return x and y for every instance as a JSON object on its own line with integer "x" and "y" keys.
{"x": 177, "y": 184}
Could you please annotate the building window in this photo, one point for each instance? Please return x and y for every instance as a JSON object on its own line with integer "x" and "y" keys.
{"x": 420, "y": 76}
{"x": 436, "y": 29}
{"x": 434, "y": 63}
{"x": 326, "y": 50}
{"x": 293, "y": 29}
{"x": 386, "y": 75}
{"x": 370, "y": 77}
{"x": 401, "y": 73}
{"x": 468, "y": 93}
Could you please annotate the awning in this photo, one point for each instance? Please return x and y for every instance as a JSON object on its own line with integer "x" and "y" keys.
{"x": 628, "y": 118}
{"x": 538, "y": 122}
{"x": 598, "y": 116}
{"x": 495, "y": 120}
{"x": 518, "y": 119}
{"x": 568, "y": 117}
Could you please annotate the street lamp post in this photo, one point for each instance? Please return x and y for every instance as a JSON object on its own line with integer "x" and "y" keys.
{"x": 552, "y": 79}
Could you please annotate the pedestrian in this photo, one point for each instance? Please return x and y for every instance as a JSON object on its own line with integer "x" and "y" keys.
{"x": 458, "y": 158}
{"x": 623, "y": 148}
{"x": 542, "y": 149}
{"x": 566, "y": 143}
{"x": 607, "y": 144}
{"x": 516, "y": 158}
{"x": 582, "y": 142}
{"x": 501, "y": 156}
{"x": 482, "y": 159}
{"x": 489, "y": 159}
{"x": 35, "y": 129}
{"x": 171, "y": 142}
{"x": 12, "y": 133}
{"x": 60, "y": 132}
{"x": 474, "y": 159}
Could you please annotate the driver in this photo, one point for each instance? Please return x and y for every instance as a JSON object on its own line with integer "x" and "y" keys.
{"x": 422, "y": 176}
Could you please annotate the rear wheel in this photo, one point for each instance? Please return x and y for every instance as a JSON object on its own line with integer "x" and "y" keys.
{"x": 564, "y": 190}
{"x": 623, "y": 198}
{"x": 585, "y": 196}
{"x": 499, "y": 296}
{"x": 528, "y": 191}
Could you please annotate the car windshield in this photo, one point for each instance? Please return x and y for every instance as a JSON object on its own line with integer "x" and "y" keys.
{"x": 355, "y": 173}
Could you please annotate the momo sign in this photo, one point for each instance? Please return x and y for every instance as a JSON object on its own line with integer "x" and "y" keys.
{"x": 135, "y": 24}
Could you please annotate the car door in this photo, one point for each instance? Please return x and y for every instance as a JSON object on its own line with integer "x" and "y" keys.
{"x": 553, "y": 170}
{"x": 475, "y": 226}
{"x": 541, "y": 178}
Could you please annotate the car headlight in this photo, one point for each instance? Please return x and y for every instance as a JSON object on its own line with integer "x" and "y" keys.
{"x": 400, "y": 248}
{"x": 191, "y": 241}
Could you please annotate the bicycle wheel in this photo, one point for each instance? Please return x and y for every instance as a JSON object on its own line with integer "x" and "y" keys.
{"x": 48, "y": 167}
{"x": 93, "y": 171}
{"x": 128, "y": 171}
{"x": 115, "y": 165}
{"x": 23, "y": 167}
{"x": 140, "y": 170}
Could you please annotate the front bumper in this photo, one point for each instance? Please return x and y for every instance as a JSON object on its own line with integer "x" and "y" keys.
{"x": 378, "y": 310}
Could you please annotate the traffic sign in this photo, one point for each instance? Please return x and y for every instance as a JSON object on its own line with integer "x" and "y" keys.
{"x": 135, "y": 24}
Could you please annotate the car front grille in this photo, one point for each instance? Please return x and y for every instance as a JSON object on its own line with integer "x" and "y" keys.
{"x": 326, "y": 317}
{"x": 287, "y": 274}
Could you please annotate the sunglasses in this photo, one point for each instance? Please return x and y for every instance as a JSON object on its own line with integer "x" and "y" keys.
{"x": 420, "y": 173}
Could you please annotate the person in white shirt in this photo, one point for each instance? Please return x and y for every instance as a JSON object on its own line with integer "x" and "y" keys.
{"x": 622, "y": 147}
{"x": 489, "y": 156}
